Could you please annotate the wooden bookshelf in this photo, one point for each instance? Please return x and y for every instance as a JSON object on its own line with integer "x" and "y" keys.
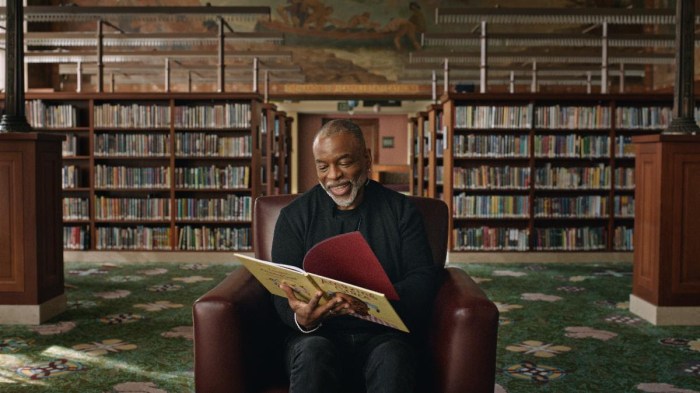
{"x": 422, "y": 143}
{"x": 161, "y": 171}
{"x": 524, "y": 173}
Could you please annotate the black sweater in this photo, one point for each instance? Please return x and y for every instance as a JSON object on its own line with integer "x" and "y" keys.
{"x": 395, "y": 232}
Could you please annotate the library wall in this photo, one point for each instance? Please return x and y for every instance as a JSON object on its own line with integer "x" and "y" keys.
{"x": 389, "y": 126}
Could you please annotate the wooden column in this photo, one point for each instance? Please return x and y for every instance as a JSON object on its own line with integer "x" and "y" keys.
{"x": 31, "y": 226}
{"x": 666, "y": 279}
{"x": 31, "y": 244}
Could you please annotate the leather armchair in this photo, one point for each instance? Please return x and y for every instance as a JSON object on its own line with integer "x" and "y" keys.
{"x": 238, "y": 336}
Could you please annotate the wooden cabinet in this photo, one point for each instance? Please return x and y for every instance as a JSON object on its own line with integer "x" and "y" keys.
{"x": 31, "y": 261}
{"x": 667, "y": 220}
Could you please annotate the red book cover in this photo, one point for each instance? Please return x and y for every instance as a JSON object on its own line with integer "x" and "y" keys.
{"x": 349, "y": 258}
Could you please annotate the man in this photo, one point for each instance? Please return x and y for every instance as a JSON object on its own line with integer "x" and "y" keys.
{"x": 327, "y": 350}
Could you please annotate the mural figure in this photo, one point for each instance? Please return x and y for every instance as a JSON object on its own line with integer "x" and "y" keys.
{"x": 293, "y": 13}
{"x": 318, "y": 14}
{"x": 362, "y": 20}
{"x": 314, "y": 18}
{"x": 409, "y": 28}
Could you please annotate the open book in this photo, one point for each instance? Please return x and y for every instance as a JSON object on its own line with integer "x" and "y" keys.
{"x": 343, "y": 263}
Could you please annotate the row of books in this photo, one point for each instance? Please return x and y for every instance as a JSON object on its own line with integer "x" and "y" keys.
{"x": 158, "y": 238}
{"x": 71, "y": 176}
{"x": 76, "y": 237}
{"x": 522, "y": 117}
{"x": 595, "y": 177}
{"x": 624, "y": 206}
{"x": 490, "y": 206}
{"x": 132, "y": 177}
{"x": 228, "y": 177}
{"x": 623, "y": 238}
{"x": 517, "y": 239}
{"x": 624, "y": 146}
{"x": 228, "y": 115}
{"x": 108, "y": 208}
{"x": 570, "y": 239}
{"x": 75, "y": 208}
{"x": 233, "y": 207}
{"x": 643, "y": 117}
{"x": 572, "y": 117}
{"x": 581, "y": 206}
{"x": 624, "y": 178}
{"x": 491, "y": 177}
{"x": 214, "y": 238}
{"x": 490, "y": 239}
{"x": 42, "y": 115}
{"x": 132, "y": 145}
{"x": 69, "y": 146}
{"x": 123, "y": 177}
{"x": 133, "y": 238}
{"x": 573, "y": 145}
{"x": 131, "y": 116}
{"x": 493, "y": 116}
{"x": 491, "y": 145}
{"x": 200, "y": 144}
{"x": 593, "y": 206}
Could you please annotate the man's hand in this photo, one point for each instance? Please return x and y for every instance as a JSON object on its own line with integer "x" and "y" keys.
{"x": 310, "y": 314}
{"x": 356, "y": 306}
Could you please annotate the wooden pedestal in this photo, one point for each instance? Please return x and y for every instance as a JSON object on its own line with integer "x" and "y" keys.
{"x": 666, "y": 283}
{"x": 31, "y": 245}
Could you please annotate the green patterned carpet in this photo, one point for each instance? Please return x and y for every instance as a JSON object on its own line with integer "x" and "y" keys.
{"x": 564, "y": 328}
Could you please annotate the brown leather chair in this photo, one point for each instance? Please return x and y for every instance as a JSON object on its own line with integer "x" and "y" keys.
{"x": 238, "y": 336}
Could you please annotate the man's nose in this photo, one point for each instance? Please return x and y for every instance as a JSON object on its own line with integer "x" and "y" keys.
{"x": 334, "y": 172}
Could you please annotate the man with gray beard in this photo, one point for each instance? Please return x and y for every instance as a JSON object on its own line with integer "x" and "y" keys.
{"x": 327, "y": 350}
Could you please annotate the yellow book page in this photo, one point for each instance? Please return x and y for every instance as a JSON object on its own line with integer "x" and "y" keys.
{"x": 378, "y": 308}
{"x": 271, "y": 275}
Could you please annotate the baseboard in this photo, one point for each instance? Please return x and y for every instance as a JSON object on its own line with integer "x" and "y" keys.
{"x": 32, "y": 314}
{"x": 539, "y": 257}
{"x": 117, "y": 257}
{"x": 452, "y": 257}
{"x": 664, "y": 316}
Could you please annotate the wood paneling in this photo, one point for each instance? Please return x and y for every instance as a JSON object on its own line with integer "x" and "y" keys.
{"x": 646, "y": 229}
{"x": 11, "y": 272}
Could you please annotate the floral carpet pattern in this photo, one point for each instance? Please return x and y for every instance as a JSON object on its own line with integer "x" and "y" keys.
{"x": 563, "y": 328}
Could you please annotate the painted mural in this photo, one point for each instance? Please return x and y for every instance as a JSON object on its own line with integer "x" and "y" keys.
{"x": 345, "y": 46}
{"x": 349, "y": 41}
{"x": 368, "y": 41}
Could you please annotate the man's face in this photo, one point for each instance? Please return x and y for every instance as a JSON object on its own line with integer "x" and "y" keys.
{"x": 341, "y": 167}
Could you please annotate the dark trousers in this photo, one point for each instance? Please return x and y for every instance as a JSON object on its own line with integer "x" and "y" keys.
{"x": 326, "y": 363}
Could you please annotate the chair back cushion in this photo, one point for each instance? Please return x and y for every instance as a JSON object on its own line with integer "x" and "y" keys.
{"x": 267, "y": 210}
{"x": 436, "y": 220}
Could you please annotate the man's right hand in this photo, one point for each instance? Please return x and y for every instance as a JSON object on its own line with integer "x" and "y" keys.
{"x": 309, "y": 315}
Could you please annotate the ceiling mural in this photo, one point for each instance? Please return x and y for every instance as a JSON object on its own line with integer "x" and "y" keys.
{"x": 397, "y": 46}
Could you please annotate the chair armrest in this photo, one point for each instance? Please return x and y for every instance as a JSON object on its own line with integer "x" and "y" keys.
{"x": 462, "y": 336}
{"x": 233, "y": 333}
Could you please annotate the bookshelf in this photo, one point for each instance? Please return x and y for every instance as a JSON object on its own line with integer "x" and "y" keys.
{"x": 436, "y": 148}
{"x": 540, "y": 172}
{"x": 161, "y": 171}
{"x": 413, "y": 154}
